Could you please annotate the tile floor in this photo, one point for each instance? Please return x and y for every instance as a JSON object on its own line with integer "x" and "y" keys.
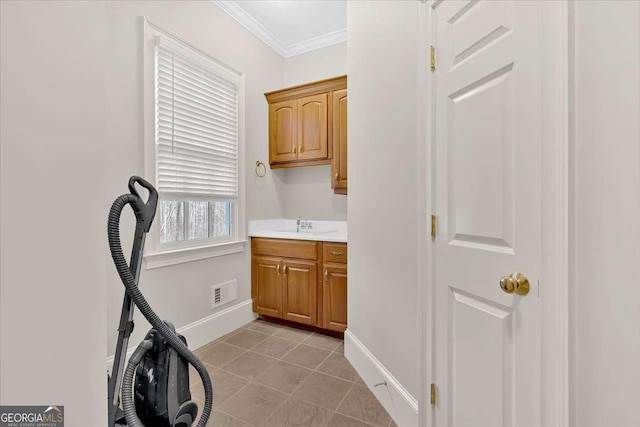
{"x": 269, "y": 375}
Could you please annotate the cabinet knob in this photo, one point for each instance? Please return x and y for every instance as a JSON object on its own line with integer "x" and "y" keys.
{"x": 326, "y": 276}
{"x": 301, "y": 148}
{"x": 336, "y": 177}
{"x": 295, "y": 149}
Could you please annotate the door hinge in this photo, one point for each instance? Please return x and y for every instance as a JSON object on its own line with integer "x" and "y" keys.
{"x": 432, "y": 56}
{"x": 433, "y": 393}
{"x": 433, "y": 226}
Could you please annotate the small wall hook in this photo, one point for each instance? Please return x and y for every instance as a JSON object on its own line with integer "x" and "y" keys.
{"x": 384, "y": 383}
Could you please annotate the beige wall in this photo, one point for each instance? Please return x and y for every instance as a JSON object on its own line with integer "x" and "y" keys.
{"x": 71, "y": 136}
{"x": 383, "y": 203}
{"x": 606, "y": 215}
{"x": 54, "y": 205}
{"x": 182, "y": 292}
{"x": 307, "y": 190}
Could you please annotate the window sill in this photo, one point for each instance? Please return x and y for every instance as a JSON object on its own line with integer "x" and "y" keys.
{"x": 180, "y": 256}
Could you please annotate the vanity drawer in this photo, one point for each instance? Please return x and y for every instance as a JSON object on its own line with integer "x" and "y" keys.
{"x": 335, "y": 252}
{"x": 301, "y": 249}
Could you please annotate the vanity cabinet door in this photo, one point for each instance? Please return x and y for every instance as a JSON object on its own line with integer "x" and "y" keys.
{"x": 283, "y": 131}
{"x": 299, "y": 287}
{"x": 266, "y": 291}
{"x": 334, "y": 292}
{"x": 312, "y": 128}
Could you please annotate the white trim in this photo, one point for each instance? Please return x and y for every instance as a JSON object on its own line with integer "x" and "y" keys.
{"x": 554, "y": 296}
{"x": 239, "y": 14}
{"x": 398, "y": 402}
{"x": 314, "y": 43}
{"x": 554, "y": 276}
{"x": 182, "y": 255}
{"x": 155, "y": 256}
{"x": 210, "y": 328}
{"x": 426, "y": 271}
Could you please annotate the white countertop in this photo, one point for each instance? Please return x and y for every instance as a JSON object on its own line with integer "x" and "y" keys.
{"x": 321, "y": 231}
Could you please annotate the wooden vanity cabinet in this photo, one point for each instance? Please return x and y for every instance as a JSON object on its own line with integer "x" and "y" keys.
{"x": 300, "y": 123}
{"x": 300, "y": 281}
{"x": 334, "y": 290}
{"x": 284, "y": 279}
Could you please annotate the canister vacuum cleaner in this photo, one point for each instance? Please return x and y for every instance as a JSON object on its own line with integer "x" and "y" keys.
{"x": 155, "y": 383}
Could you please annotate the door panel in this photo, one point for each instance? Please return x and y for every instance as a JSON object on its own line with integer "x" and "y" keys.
{"x": 487, "y": 174}
{"x": 266, "y": 289}
{"x": 334, "y": 292}
{"x": 312, "y": 127}
{"x": 283, "y": 132}
{"x": 299, "y": 291}
{"x": 339, "y": 139}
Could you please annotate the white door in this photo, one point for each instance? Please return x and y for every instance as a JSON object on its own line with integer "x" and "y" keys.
{"x": 487, "y": 200}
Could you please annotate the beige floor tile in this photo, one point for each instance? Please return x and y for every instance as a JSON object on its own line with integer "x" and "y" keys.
{"x": 218, "y": 419}
{"x": 249, "y": 365}
{"x": 393, "y": 424}
{"x": 293, "y": 334}
{"x": 304, "y": 355}
{"x": 195, "y": 382}
{"x": 247, "y": 338}
{"x": 274, "y": 347}
{"x": 225, "y": 385}
{"x": 340, "y": 348}
{"x": 323, "y": 390}
{"x": 296, "y": 413}
{"x": 220, "y": 354}
{"x": 341, "y": 421}
{"x": 265, "y": 327}
{"x": 360, "y": 403}
{"x": 229, "y": 335}
{"x": 323, "y": 341}
{"x": 284, "y": 376}
{"x": 338, "y": 366}
{"x": 360, "y": 381}
{"x": 253, "y": 404}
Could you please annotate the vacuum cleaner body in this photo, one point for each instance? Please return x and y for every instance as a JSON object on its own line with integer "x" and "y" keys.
{"x": 155, "y": 384}
{"x": 161, "y": 388}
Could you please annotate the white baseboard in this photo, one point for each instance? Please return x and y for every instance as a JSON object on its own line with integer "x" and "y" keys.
{"x": 203, "y": 331}
{"x": 398, "y": 402}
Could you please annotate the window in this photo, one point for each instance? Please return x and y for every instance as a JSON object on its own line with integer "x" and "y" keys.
{"x": 197, "y": 121}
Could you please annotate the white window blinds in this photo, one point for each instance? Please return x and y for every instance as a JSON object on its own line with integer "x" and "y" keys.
{"x": 196, "y": 113}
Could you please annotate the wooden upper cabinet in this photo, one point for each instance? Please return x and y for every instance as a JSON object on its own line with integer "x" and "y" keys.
{"x": 300, "y": 123}
{"x": 312, "y": 128}
{"x": 339, "y": 139}
{"x": 283, "y": 131}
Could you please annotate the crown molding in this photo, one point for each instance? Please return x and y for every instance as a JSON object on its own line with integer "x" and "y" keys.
{"x": 286, "y": 51}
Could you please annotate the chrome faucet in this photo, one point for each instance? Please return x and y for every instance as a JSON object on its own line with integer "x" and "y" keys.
{"x": 303, "y": 224}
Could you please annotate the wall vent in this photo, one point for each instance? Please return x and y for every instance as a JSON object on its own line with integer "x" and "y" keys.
{"x": 223, "y": 293}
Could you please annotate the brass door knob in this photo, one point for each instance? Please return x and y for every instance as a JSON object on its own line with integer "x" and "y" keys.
{"x": 516, "y": 282}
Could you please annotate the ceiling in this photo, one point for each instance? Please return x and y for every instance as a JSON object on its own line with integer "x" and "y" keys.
{"x": 291, "y": 27}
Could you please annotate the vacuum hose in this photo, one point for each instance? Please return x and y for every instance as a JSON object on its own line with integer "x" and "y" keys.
{"x": 132, "y": 289}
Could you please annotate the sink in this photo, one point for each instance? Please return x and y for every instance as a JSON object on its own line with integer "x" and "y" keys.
{"x": 312, "y": 231}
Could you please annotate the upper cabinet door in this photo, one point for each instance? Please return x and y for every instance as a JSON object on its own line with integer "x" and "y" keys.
{"x": 339, "y": 141}
{"x": 312, "y": 128}
{"x": 283, "y": 135}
